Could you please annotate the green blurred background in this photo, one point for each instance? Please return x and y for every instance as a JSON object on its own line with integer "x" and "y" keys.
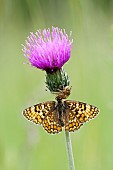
{"x": 26, "y": 146}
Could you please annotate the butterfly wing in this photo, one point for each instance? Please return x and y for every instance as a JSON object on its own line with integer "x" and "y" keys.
{"x": 45, "y": 114}
{"x": 51, "y": 123}
{"x": 38, "y": 112}
{"x": 78, "y": 113}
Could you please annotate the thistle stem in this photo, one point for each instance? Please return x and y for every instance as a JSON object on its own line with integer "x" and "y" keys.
{"x": 69, "y": 151}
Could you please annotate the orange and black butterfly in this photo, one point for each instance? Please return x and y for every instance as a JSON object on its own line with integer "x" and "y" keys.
{"x": 54, "y": 115}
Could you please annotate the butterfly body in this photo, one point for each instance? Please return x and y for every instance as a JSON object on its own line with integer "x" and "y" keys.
{"x": 60, "y": 112}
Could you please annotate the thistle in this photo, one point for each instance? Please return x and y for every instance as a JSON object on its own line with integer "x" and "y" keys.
{"x": 49, "y": 51}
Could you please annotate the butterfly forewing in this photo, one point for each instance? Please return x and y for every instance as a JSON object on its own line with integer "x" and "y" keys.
{"x": 45, "y": 114}
{"x": 38, "y": 112}
{"x": 78, "y": 113}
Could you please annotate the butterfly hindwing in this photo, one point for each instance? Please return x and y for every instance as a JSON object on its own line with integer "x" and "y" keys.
{"x": 71, "y": 122}
{"x": 78, "y": 113}
{"x": 51, "y": 123}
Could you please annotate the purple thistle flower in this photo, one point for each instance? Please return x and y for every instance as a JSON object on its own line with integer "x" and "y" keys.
{"x": 47, "y": 50}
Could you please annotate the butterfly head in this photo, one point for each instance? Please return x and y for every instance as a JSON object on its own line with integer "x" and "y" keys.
{"x": 64, "y": 93}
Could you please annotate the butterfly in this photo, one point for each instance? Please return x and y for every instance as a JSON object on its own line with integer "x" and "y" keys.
{"x": 54, "y": 115}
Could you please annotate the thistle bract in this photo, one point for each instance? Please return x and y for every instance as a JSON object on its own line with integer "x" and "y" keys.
{"x": 57, "y": 80}
{"x": 48, "y": 50}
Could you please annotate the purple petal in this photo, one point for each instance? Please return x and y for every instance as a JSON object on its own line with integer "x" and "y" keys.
{"x": 48, "y": 50}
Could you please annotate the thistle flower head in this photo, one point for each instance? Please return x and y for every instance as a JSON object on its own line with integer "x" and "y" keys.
{"x": 48, "y": 50}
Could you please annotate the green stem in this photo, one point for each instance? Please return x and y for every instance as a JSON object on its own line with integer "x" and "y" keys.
{"x": 69, "y": 151}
